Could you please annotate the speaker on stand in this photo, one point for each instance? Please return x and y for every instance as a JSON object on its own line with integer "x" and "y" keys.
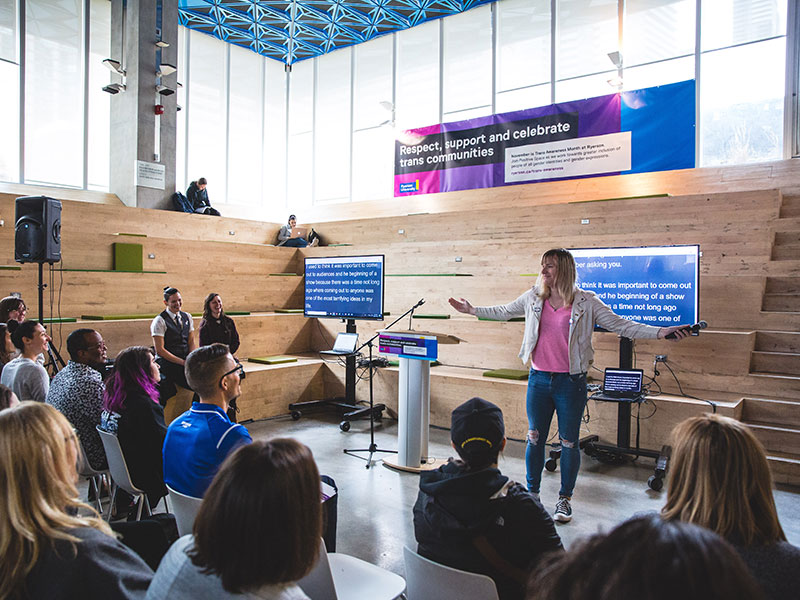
{"x": 37, "y": 239}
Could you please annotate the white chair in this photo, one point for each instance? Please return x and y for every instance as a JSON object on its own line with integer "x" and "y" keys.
{"x": 185, "y": 509}
{"x": 428, "y": 580}
{"x": 120, "y": 473}
{"x": 86, "y": 471}
{"x": 342, "y": 577}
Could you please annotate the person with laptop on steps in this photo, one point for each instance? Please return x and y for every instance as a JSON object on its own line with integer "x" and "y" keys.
{"x": 559, "y": 321}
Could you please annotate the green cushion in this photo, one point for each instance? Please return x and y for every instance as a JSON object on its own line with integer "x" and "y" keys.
{"x": 288, "y": 310}
{"x": 230, "y": 313}
{"x": 127, "y": 257}
{"x": 416, "y": 316}
{"x": 115, "y": 317}
{"x": 514, "y": 374}
{"x": 59, "y": 320}
{"x": 272, "y": 360}
{"x": 284, "y": 275}
{"x": 396, "y": 363}
{"x": 512, "y": 319}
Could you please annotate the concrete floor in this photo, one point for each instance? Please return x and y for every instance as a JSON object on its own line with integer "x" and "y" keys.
{"x": 375, "y": 505}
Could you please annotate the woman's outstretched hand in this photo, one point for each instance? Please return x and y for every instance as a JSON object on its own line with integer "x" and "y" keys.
{"x": 462, "y": 305}
{"x": 680, "y": 331}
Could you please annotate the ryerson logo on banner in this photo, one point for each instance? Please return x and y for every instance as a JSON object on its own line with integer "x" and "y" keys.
{"x": 608, "y": 153}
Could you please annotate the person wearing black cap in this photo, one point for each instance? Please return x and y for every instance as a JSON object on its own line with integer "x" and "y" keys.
{"x": 469, "y": 516}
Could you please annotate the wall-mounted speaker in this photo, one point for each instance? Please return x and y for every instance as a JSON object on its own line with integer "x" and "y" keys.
{"x": 37, "y": 230}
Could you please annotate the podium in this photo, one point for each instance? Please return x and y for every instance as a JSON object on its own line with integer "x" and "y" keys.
{"x": 415, "y": 351}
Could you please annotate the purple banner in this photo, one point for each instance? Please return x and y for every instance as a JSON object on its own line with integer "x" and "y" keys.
{"x": 612, "y": 134}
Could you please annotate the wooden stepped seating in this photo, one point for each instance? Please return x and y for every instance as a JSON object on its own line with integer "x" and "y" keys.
{"x": 790, "y": 208}
{"x": 141, "y": 293}
{"x": 261, "y": 333}
{"x": 110, "y": 219}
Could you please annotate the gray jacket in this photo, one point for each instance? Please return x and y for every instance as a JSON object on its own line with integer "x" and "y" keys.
{"x": 587, "y": 310}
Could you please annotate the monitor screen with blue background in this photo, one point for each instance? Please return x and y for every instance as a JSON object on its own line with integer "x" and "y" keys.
{"x": 344, "y": 287}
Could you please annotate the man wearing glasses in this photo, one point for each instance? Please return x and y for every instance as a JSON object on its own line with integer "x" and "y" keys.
{"x": 200, "y": 439}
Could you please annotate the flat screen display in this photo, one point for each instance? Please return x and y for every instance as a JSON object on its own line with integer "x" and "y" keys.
{"x": 656, "y": 285}
{"x": 344, "y": 287}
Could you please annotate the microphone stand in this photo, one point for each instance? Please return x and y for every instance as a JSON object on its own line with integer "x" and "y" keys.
{"x": 373, "y": 447}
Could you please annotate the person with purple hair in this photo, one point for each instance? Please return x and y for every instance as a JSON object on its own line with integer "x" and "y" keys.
{"x": 132, "y": 411}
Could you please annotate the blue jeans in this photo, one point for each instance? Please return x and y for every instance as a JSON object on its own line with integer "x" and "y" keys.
{"x": 566, "y": 395}
{"x": 296, "y": 243}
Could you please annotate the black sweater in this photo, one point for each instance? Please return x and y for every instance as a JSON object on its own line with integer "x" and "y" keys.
{"x": 461, "y": 516}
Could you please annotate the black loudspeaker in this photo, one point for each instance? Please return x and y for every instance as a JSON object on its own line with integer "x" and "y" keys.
{"x": 37, "y": 232}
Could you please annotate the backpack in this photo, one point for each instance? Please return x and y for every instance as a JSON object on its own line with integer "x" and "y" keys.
{"x": 181, "y": 203}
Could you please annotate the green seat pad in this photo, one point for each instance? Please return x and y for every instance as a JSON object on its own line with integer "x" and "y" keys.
{"x": 396, "y": 363}
{"x": 288, "y": 310}
{"x": 514, "y": 374}
{"x": 272, "y": 360}
{"x": 416, "y": 316}
{"x": 115, "y": 317}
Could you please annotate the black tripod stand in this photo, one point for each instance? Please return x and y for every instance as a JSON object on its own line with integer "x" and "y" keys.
{"x": 52, "y": 351}
{"x": 373, "y": 447}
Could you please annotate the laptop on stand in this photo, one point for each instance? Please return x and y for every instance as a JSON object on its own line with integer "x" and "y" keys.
{"x": 621, "y": 385}
{"x": 344, "y": 345}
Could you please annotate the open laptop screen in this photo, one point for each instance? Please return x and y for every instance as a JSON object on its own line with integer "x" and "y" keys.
{"x": 622, "y": 382}
{"x": 345, "y": 342}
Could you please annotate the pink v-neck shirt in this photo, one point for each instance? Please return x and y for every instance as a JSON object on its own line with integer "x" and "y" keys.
{"x": 552, "y": 348}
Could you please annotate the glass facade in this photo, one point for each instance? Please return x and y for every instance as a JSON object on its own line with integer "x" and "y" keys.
{"x": 324, "y": 131}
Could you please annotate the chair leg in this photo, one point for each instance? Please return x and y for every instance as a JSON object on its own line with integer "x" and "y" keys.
{"x": 96, "y": 489}
{"x": 113, "y": 500}
{"x": 142, "y": 500}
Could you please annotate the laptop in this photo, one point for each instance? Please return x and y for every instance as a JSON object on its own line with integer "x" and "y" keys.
{"x": 621, "y": 385}
{"x": 345, "y": 344}
{"x": 298, "y": 232}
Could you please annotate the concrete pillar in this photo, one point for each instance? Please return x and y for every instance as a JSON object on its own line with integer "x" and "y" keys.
{"x": 134, "y": 137}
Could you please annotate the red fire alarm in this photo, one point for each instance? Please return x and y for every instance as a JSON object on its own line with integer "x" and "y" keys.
{"x": 159, "y": 109}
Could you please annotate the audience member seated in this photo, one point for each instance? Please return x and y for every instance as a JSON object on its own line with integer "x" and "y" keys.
{"x": 131, "y": 410}
{"x": 24, "y": 374}
{"x": 173, "y": 340}
{"x": 48, "y": 550}
{"x": 217, "y": 327}
{"x": 7, "y": 349}
{"x": 200, "y": 439}
{"x": 719, "y": 478}
{"x": 257, "y": 531}
{"x": 646, "y": 558}
{"x": 12, "y": 308}
{"x": 285, "y": 237}
{"x": 198, "y": 198}
{"x": 77, "y": 391}
{"x": 8, "y": 399}
{"x": 471, "y": 517}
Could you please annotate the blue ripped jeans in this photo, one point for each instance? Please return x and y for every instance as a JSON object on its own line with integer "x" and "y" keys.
{"x": 566, "y": 395}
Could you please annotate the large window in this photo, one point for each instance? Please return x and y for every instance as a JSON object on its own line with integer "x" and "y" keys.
{"x": 245, "y": 133}
{"x": 206, "y": 151}
{"x": 275, "y": 140}
{"x": 54, "y": 121}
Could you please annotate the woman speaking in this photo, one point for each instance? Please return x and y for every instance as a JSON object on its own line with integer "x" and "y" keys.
{"x": 559, "y": 321}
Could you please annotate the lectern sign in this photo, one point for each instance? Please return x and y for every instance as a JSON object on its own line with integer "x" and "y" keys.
{"x": 409, "y": 345}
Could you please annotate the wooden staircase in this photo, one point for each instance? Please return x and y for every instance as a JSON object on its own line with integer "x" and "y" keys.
{"x": 776, "y": 354}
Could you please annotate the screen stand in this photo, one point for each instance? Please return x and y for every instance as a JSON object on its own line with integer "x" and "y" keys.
{"x": 347, "y": 405}
{"x": 608, "y": 453}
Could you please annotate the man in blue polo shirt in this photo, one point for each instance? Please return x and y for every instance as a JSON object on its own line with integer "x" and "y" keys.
{"x": 200, "y": 439}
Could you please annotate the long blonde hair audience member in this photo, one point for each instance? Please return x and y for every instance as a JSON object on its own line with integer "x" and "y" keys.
{"x": 719, "y": 479}
{"x": 646, "y": 558}
{"x": 257, "y": 532}
{"x": 47, "y": 550}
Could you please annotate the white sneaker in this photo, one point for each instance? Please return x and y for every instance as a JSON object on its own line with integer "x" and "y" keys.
{"x": 314, "y": 242}
{"x": 536, "y": 495}
{"x": 563, "y": 513}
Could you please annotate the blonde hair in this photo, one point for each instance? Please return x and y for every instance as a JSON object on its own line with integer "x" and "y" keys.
{"x": 37, "y": 490}
{"x": 719, "y": 479}
{"x": 565, "y": 275}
